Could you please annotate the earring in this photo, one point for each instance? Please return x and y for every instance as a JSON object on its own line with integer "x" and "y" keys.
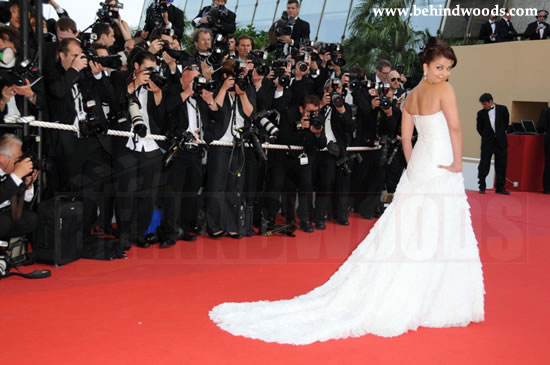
{"x": 425, "y": 74}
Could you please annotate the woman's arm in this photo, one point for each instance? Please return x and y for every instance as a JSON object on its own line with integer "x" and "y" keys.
{"x": 450, "y": 109}
{"x": 407, "y": 128}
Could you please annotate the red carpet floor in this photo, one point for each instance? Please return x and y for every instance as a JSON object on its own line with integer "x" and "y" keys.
{"x": 153, "y": 307}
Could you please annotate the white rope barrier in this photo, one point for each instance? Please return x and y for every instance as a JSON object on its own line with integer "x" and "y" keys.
{"x": 30, "y": 120}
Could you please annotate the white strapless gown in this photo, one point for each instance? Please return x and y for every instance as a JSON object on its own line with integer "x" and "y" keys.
{"x": 419, "y": 265}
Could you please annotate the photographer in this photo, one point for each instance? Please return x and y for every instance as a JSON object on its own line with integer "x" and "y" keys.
{"x": 195, "y": 108}
{"x": 374, "y": 131}
{"x": 225, "y": 167}
{"x": 138, "y": 160}
{"x": 105, "y": 34}
{"x": 14, "y": 83}
{"x": 202, "y": 38}
{"x": 217, "y": 18}
{"x": 289, "y": 30}
{"x": 120, "y": 27}
{"x": 17, "y": 176}
{"x": 331, "y": 180}
{"x": 300, "y": 126}
{"x": 76, "y": 91}
{"x": 161, "y": 14}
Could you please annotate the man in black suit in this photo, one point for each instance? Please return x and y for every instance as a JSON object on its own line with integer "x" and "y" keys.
{"x": 223, "y": 23}
{"x": 538, "y": 29}
{"x": 488, "y": 31}
{"x": 544, "y": 127}
{"x": 492, "y": 122}
{"x": 300, "y": 28}
{"x": 188, "y": 111}
{"x": 172, "y": 19}
{"x": 505, "y": 29}
{"x": 76, "y": 90}
{"x": 13, "y": 174}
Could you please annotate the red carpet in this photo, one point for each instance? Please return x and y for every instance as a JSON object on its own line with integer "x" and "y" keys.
{"x": 153, "y": 307}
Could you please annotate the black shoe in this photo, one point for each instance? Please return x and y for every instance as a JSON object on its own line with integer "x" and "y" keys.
{"x": 142, "y": 242}
{"x": 481, "y": 191}
{"x": 369, "y": 217}
{"x": 235, "y": 236}
{"x": 167, "y": 243}
{"x": 343, "y": 222}
{"x": 320, "y": 225}
{"x": 218, "y": 235}
{"x": 306, "y": 226}
{"x": 502, "y": 191}
{"x": 196, "y": 230}
{"x": 187, "y": 237}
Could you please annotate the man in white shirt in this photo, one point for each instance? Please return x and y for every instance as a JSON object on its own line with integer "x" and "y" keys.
{"x": 15, "y": 176}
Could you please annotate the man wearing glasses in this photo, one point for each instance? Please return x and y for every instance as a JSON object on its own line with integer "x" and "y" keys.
{"x": 538, "y": 29}
{"x": 383, "y": 68}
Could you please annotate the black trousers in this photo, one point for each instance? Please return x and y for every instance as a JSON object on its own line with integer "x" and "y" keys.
{"x": 137, "y": 182}
{"x": 489, "y": 149}
{"x": 546, "y": 176}
{"x": 226, "y": 177}
{"x": 10, "y": 228}
{"x": 331, "y": 188}
{"x": 394, "y": 171}
{"x": 284, "y": 166}
{"x": 86, "y": 174}
{"x": 369, "y": 177}
{"x": 179, "y": 195}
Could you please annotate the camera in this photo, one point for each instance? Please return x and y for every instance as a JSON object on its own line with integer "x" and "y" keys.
{"x": 258, "y": 58}
{"x": 242, "y": 80}
{"x": 356, "y": 81}
{"x": 178, "y": 141}
{"x": 344, "y": 162}
{"x": 25, "y": 70}
{"x": 220, "y": 48}
{"x": 200, "y": 83}
{"x": 138, "y": 124}
{"x": 105, "y": 15}
{"x": 335, "y": 51}
{"x": 216, "y": 15}
{"x": 382, "y": 91}
{"x": 154, "y": 17}
{"x": 269, "y": 120}
{"x": 250, "y": 134}
{"x": 179, "y": 55}
{"x": 112, "y": 61}
{"x": 90, "y": 125}
{"x": 316, "y": 119}
{"x": 279, "y": 68}
{"x": 283, "y": 26}
{"x": 336, "y": 98}
{"x": 34, "y": 159}
{"x": 157, "y": 78}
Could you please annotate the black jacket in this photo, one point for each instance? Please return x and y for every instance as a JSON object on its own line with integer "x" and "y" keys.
{"x": 217, "y": 127}
{"x": 228, "y": 27}
{"x": 342, "y": 126}
{"x": 486, "y": 31}
{"x": 8, "y": 188}
{"x": 488, "y": 135}
{"x": 505, "y": 31}
{"x": 531, "y": 31}
{"x": 175, "y": 16}
{"x": 300, "y": 30}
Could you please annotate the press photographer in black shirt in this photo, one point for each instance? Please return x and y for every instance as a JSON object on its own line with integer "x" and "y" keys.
{"x": 193, "y": 108}
{"x": 331, "y": 180}
{"x": 225, "y": 165}
{"x": 300, "y": 126}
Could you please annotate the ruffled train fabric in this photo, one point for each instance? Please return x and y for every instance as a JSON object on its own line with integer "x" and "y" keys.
{"x": 419, "y": 265}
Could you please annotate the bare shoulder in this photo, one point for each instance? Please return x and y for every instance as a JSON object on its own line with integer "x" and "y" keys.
{"x": 445, "y": 89}
{"x": 410, "y": 102}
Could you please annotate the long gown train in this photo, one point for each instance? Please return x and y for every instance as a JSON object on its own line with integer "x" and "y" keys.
{"x": 418, "y": 266}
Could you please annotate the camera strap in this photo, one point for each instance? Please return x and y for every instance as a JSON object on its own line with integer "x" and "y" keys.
{"x": 198, "y": 132}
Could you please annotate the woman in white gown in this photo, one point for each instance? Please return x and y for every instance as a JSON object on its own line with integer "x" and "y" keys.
{"x": 418, "y": 266}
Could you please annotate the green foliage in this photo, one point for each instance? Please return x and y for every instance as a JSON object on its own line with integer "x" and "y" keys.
{"x": 376, "y": 37}
{"x": 261, "y": 38}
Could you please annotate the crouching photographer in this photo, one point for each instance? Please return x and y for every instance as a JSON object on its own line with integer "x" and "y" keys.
{"x": 194, "y": 107}
{"x": 225, "y": 167}
{"x": 299, "y": 126}
{"x": 331, "y": 177}
{"x": 17, "y": 176}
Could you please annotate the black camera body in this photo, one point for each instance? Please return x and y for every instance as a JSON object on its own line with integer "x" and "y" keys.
{"x": 105, "y": 15}
{"x": 178, "y": 142}
{"x": 279, "y": 68}
{"x": 25, "y": 70}
{"x": 220, "y": 48}
{"x": 112, "y": 61}
{"x": 90, "y": 126}
{"x": 259, "y": 58}
{"x": 251, "y": 135}
{"x": 157, "y": 78}
{"x": 217, "y": 16}
{"x": 335, "y": 50}
{"x": 154, "y": 17}
{"x": 283, "y": 26}
{"x": 200, "y": 83}
{"x": 316, "y": 120}
{"x": 382, "y": 90}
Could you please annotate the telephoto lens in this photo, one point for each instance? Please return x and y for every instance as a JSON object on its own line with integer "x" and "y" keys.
{"x": 138, "y": 124}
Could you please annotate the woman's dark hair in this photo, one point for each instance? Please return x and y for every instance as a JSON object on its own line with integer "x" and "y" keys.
{"x": 138, "y": 56}
{"x": 437, "y": 48}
